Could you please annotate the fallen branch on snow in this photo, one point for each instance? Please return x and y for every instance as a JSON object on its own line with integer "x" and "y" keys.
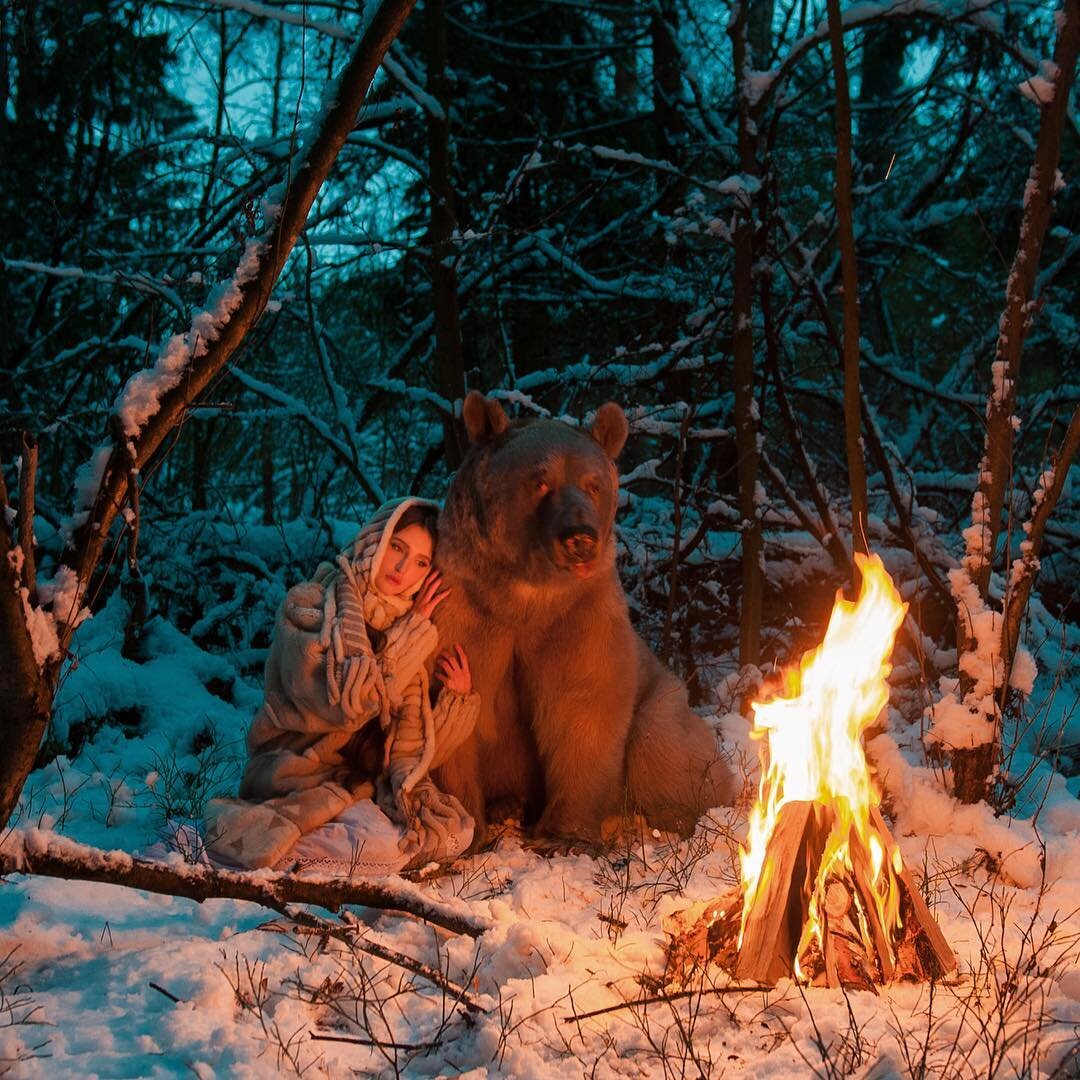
{"x": 33, "y": 851}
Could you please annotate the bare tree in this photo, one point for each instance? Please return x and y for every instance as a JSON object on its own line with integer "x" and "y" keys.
{"x": 850, "y": 275}
{"x": 973, "y": 766}
{"x": 449, "y": 363}
{"x": 742, "y": 347}
{"x": 149, "y": 409}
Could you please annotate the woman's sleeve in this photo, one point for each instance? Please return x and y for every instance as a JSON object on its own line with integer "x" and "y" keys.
{"x": 297, "y": 683}
{"x": 407, "y": 745}
{"x": 453, "y": 718}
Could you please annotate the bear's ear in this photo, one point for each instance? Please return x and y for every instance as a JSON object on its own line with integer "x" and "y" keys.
{"x": 610, "y": 429}
{"x": 484, "y": 417}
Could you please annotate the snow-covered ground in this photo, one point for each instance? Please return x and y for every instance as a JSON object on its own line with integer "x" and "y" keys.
{"x": 111, "y": 982}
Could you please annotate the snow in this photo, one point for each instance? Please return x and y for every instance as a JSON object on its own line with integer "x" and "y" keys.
{"x": 140, "y": 399}
{"x": 1037, "y": 89}
{"x": 758, "y": 84}
{"x": 41, "y": 627}
{"x": 1040, "y": 88}
{"x": 64, "y": 597}
{"x": 88, "y": 481}
{"x": 566, "y": 933}
{"x": 1024, "y": 671}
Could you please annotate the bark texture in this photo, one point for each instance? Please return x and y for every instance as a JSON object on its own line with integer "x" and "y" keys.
{"x": 449, "y": 359}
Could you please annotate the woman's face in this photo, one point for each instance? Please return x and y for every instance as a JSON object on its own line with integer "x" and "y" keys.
{"x": 405, "y": 562}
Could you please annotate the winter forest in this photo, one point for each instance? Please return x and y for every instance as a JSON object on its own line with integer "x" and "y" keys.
{"x": 256, "y": 259}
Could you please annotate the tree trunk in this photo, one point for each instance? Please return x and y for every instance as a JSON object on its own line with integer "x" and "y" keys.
{"x": 26, "y": 691}
{"x": 759, "y": 19}
{"x": 850, "y": 278}
{"x": 25, "y": 698}
{"x": 995, "y": 470}
{"x": 742, "y": 347}
{"x": 449, "y": 361}
{"x": 668, "y": 124}
{"x": 973, "y": 767}
{"x": 884, "y": 49}
{"x": 625, "y": 19}
{"x": 267, "y": 469}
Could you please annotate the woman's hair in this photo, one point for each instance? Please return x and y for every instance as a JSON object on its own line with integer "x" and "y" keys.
{"x": 427, "y": 517}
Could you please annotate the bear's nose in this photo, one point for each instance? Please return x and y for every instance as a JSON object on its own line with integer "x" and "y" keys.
{"x": 579, "y": 542}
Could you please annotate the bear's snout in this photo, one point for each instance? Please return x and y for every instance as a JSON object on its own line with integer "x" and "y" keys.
{"x": 579, "y": 543}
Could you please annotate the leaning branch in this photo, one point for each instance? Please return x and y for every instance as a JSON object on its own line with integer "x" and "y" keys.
{"x": 154, "y": 401}
{"x": 1051, "y": 484}
{"x": 48, "y": 855}
{"x": 264, "y": 258}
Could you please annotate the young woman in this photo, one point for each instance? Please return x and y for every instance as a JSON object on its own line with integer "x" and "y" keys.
{"x": 339, "y": 755}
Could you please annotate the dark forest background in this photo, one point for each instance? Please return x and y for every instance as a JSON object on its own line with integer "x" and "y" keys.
{"x": 544, "y": 200}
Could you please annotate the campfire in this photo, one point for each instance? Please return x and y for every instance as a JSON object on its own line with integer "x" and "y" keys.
{"x": 825, "y": 897}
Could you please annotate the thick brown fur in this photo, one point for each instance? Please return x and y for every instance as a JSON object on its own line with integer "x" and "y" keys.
{"x": 579, "y": 720}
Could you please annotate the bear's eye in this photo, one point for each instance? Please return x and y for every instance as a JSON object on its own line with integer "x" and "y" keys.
{"x": 541, "y": 486}
{"x": 593, "y": 488}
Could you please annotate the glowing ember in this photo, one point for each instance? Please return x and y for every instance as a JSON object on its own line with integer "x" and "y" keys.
{"x": 813, "y": 752}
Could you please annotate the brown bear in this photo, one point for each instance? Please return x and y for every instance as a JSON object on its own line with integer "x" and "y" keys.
{"x": 578, "y": 720}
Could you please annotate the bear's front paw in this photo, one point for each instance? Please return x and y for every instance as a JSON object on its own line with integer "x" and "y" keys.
{"x": 549, "y": 846}
{"x": 563, "y": 834}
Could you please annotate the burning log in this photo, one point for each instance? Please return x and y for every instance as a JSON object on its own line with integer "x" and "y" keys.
{"x": 857, "y": 952}
{"x": 825, "y": 896}
{"x": 773, "y": 927}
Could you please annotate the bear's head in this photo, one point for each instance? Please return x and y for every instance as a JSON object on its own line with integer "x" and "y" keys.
{"x": 534, "y": 500}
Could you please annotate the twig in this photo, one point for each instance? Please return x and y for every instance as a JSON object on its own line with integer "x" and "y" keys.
{"x": 373, "y": 1042}
{"x": 718, "y": 990}
{"x": 170, "y": 996}
{"x": 307, "y": 923}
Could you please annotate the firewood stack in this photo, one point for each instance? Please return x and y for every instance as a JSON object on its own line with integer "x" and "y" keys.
{"x": 825, "y": 897}
{"x": 855, "y": 951}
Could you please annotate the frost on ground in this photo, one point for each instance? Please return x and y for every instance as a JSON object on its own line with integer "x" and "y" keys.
{"x": 96, "y": 980}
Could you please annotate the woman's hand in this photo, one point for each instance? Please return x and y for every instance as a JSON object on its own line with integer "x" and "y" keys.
{"x": 429, "y": 597}
{"x": 453, "y": 668}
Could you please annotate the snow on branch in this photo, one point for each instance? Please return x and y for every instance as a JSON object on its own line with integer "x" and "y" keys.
{"x": 1022, "y": 576}
{"x": 152, "y": 401}
{"x": 36, "y": 851}
{"x": 278, "y": 14}
{"x": 137, "y": 280}
{"x": 141, "y": 396}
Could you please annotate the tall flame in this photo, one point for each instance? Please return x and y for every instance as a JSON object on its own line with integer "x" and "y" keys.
{"x": 813, "y": 750}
